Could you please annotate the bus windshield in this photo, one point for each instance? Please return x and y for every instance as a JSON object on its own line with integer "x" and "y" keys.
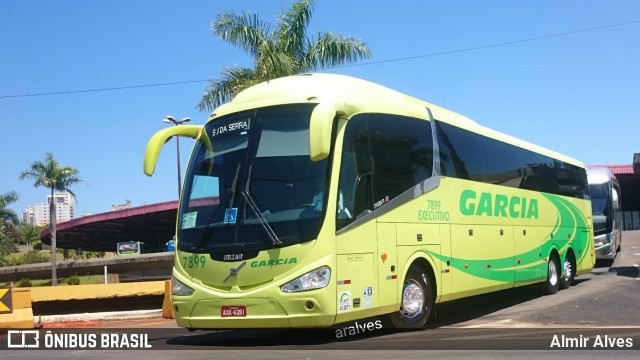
{"x": 600, "y": 206}
{"x": 257, "y": 188}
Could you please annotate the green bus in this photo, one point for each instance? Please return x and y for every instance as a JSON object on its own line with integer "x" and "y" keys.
{"x": 319, "y": 199}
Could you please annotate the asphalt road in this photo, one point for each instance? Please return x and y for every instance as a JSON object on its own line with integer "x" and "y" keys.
{"x": 601, "y": 312}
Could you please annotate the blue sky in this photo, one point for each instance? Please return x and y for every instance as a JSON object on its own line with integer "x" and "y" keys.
{"x": 576, "y": 93}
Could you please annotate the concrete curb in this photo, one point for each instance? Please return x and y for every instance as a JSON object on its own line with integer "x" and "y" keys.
{"x": 97, "y": 291}
{"x": 113, "y": 315}
{"x": 21, "y": 314}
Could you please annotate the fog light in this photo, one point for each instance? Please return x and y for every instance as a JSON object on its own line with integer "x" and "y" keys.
{"x": 308, "y": 305}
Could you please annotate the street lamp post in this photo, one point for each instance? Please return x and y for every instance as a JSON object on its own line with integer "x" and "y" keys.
{"x": 170, "y": 119}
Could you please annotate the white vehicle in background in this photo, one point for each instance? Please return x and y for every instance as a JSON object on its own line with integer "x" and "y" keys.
{"x": 607, "y": 212}
{"x": 131, "y": 248}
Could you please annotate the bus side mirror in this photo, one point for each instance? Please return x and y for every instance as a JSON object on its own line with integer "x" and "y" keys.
{"x": 614, "y": 198}
{"x": 158, "y": 140}
{"x": 320, "y": 129}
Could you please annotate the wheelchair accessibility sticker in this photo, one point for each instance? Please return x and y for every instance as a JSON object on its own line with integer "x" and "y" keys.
{"x": 230, "y": 215}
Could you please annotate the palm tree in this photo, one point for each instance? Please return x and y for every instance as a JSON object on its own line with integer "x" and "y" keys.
{"x": 51, "y": 175}
{"x": 287, "y": 51}
{"x": 8, "y": 218}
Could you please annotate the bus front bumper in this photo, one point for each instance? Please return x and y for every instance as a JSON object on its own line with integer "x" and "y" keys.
{"x": 251, "y": 313}
{"x": 605, "y": 247}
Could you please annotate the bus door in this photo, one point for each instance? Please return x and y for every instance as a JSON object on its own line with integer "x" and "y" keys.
{"x": 356, "y": 273}
{"x": 357, "y": 233}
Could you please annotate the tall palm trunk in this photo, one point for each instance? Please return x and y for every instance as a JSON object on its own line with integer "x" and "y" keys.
{"x": 52, "y": 223}
{"x": 50, "y": 174}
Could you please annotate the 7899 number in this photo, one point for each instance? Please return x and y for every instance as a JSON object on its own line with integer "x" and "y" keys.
{"x": 193, "y": 261}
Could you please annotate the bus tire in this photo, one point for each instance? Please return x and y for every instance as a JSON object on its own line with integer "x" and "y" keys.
{"x": 569, "y": 271}
{"x": 416, "y": 301}
{"x": 552, "y": 284}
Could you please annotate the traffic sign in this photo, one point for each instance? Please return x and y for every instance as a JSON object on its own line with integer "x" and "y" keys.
{"x": 5, "y": 301}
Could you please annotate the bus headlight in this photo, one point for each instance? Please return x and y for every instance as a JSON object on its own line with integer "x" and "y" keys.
{"x": 316, "y": 279}
{"x": 179, "y": 288}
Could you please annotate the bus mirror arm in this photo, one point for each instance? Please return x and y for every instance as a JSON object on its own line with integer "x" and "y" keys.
{"x": 320, "y": 128}
{"x": 157, "y": 141}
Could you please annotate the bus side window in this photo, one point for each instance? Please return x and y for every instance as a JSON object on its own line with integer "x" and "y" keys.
{"x": 382, "y": 156}
{"x": 401, "y": 153}
{"x": 362, "y": 195}
{"x": 354, "y": 194}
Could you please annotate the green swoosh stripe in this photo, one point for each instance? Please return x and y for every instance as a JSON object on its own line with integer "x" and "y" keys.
{"x": 568, "y": 218}
{"x": 576, "y": 221}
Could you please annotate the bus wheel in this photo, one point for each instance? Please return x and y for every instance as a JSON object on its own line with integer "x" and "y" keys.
{"x": 416, "y": 301}
{"x": 569, "y": 272}
{"x": 552, "y": 284}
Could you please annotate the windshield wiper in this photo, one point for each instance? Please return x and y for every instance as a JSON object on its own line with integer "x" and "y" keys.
{"x": 263, "y": 221}
{"x": 252, "y": 204}
{"x": 232, "y": 190}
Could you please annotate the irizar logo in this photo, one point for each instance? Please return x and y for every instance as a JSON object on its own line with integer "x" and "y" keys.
{"x": 232, "y": 257}
{"x": 488, "y": 204}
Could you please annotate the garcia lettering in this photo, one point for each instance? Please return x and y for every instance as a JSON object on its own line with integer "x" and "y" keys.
{"x": 499, "y": 205}
{"x": 274, "y": 262}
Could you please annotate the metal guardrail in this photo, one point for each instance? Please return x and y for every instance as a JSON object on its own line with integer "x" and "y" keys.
{"x": 156, "y": 265}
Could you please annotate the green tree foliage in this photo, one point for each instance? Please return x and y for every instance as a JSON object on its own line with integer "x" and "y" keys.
{"x": 73, "y": 280}
{"x": 8, "y": 218}
{"x": 50, "y": 174}
{"x": 24, "y": 283}
{"x": 286, "y": 51}
{"x": 30, "y": 234}
{"x": 7, "y": 247}
{"x": 36, "y": 257}
{"x": 30, "y": 257}
{"x": 7, "y": 214}
{"x": 79, "y": 254}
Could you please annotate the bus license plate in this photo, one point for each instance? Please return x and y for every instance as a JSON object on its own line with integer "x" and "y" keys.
{"x": 233, "y": 311}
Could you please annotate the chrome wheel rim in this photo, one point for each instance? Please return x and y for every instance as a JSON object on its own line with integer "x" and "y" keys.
{"x": 553, "y": 273}
{"x": 568, "y": 271}
{"x": 412, "y": 299}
